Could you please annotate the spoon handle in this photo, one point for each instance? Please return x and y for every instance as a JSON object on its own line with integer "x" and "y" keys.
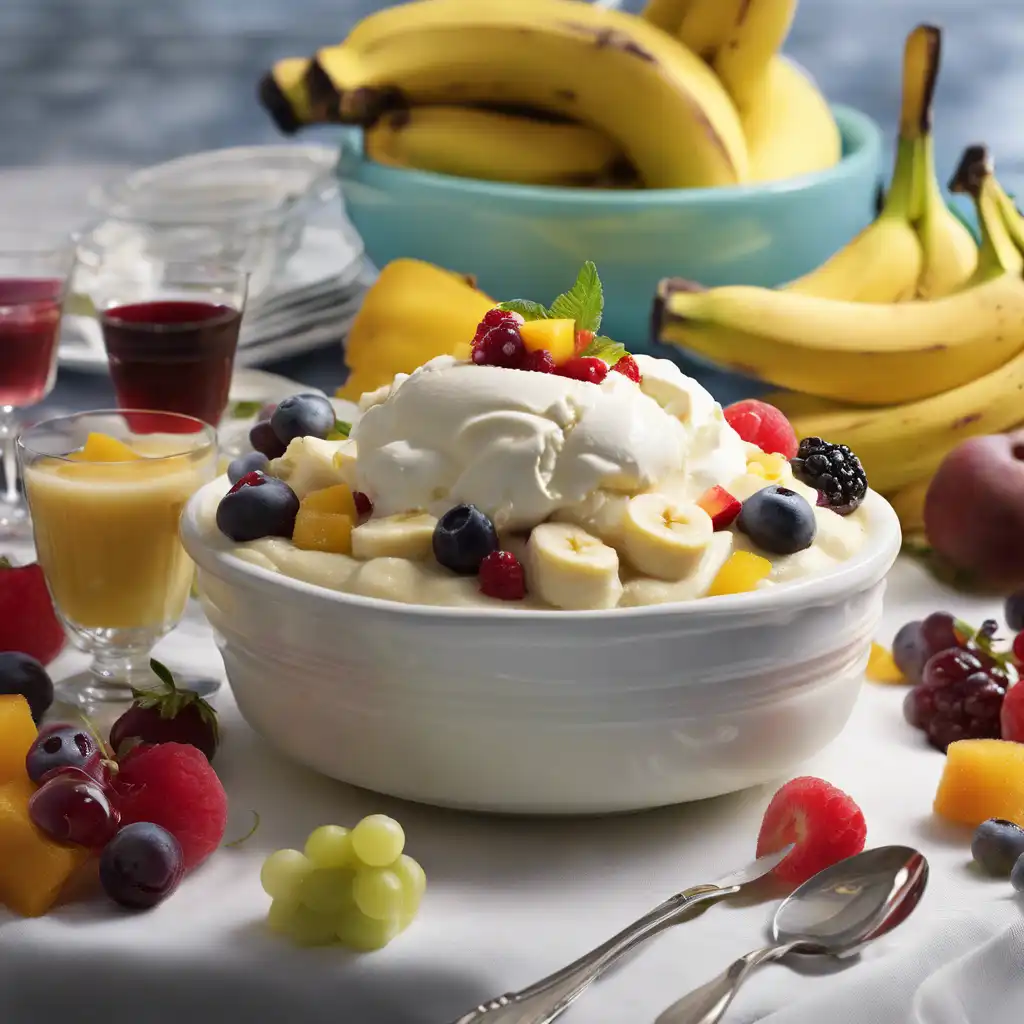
{"x": 707, "y": 1004}
{"x": 548, "y": 998}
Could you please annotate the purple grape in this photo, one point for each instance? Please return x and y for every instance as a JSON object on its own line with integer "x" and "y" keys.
{"x": 263, "y": 439}
{"x": 141, "y": 866}
{"x": 908, "y": 651}
{"x": 938, "y": 632}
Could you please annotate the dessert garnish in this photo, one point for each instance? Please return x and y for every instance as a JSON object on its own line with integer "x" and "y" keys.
{"x": 352, "y": 888}
{"x": 778, "y": 520}
{"x": 166, "y": 714}
{"x": 826, "y": 825}
{"x": 258, "y": 505}
{"x": 561, "y": 338}
{"x": 721, "y": 506}
{"x": 28, "y": 622}
{"x": 463, "y": 537}
{"x": 834, "y": 471}
{"x": 764, "y": 425}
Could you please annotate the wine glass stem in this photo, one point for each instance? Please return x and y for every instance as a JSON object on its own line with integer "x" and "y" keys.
{"x": 8, "y": 437}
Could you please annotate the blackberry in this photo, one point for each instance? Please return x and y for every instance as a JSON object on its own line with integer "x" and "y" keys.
{"x": 834, "y": 471}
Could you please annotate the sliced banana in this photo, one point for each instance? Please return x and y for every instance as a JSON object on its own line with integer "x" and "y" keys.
{"x": 308, "y": 465}
{"x": 345, "y": 463}
{"x": 664, "y": 538}
{"x": 406, "y": 535}
{"x": 571, "y": 569}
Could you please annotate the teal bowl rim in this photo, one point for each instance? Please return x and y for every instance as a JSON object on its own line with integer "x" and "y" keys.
{"x": 862, "y": 147}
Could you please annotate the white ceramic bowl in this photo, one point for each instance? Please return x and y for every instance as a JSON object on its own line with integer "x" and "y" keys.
{"x": 545, "y": 712}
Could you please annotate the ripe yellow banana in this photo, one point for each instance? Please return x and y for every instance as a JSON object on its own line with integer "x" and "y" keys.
{"x": 601, "y": 67}
{"x": 908, "y": 504}
{"x": 789, "y": 126}
{"x": 868, "y": 354}
{"x": 666, "y": 14}
{"x": 492, "y": 146}
{"x": 707, "y": 25}
{"x": 758, "y": 33}
{"x": 282, "y": 92}
{"x": 949, "y": 253}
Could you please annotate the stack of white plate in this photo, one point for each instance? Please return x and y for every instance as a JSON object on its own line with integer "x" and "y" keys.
{"x": 308, "y": 274}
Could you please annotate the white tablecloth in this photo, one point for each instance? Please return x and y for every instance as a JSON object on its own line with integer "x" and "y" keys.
{"x": 510, "y": 900}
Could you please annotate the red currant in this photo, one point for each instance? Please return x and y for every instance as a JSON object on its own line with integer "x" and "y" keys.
{"x": 539, "y": 361}
{"x": 628, "y": 368}
{"x": 585, "y": 368}
{"x": 500, "y": 346}
{"x": 501, "y": 576}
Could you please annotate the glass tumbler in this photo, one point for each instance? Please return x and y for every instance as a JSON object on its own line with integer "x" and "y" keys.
{"x": 106, "y": 490}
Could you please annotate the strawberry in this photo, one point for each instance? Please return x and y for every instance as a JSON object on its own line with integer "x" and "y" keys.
{"x": 28, "y": 622}
{"x": 166, "y": 715}
{"x": 824, "y": 823}
{"x": 628, "y": 368}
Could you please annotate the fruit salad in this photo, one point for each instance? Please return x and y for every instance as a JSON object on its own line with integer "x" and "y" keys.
{"x": 544, "y": 467}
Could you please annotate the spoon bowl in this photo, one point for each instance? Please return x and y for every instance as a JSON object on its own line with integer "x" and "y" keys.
{"x": 852, "y": 902}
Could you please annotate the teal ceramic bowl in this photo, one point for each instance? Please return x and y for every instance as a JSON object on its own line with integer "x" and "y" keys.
{"x": 529, "y": 241}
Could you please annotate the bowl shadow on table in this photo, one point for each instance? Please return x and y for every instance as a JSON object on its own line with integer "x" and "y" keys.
{"x": 493, "y": 850}
{"x": 323, "y": 989}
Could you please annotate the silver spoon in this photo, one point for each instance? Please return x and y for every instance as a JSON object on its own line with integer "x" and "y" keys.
{"x": 835, "y": 913}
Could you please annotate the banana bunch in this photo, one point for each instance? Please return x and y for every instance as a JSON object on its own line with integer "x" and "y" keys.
{"x": 557, "y": 92}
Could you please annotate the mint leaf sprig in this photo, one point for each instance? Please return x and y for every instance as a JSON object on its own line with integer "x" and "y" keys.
{"x": 583, "y": 302}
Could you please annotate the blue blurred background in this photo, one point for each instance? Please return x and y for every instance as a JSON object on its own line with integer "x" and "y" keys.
{"x": 138, "y": 81}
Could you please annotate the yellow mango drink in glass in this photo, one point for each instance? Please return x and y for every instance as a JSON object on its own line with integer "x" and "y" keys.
{"x": 106, "y": 491}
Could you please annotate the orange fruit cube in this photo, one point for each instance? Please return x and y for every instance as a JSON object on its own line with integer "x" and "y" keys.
{"x": 982, "y": 779}
{"x": 741, "y": 573}
{"x": 881, "y": 666}
{"x": 104, "y": 448}
{"x": 555, "y": 336}
{"x": 322, "y": 531}
{"x": 337, "y": 499}
{"x": 33, "y": 868}
{"x": 17, "y": 733}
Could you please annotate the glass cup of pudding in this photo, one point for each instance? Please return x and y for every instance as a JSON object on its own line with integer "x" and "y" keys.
{"x": 106, "y": 490}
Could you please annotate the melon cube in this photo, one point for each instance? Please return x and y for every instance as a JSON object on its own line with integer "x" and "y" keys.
{"x": 322, "y": 531}
{"x": 33, "y": 868}
{"x": 17, "y": 734}
{"x": 982, "y": 779}
{"x": 555, "y": 336}
{"x": 742, "y": 572}
{"x": 337, "y": 499}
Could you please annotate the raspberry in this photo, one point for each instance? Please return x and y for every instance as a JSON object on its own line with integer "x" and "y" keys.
{"x": 492, "y": 318}
{"x": 539, "y": 361}
{"x": 764, "y": 425}
{"x": 364, "y": 507}
{"x": 172, "y": 785}
{"x": 585, "y": 368}
{"x": 824, "y": 823}
{"x": 628, "y": 368}
{"x": 1012, "y": 716}
{"x": 500, "y": 346}
{"x": 501, "y": 576}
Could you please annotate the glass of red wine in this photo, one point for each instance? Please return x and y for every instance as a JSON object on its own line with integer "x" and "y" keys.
{"x": 34, "y": 273}
{"x": 171, "y": 336}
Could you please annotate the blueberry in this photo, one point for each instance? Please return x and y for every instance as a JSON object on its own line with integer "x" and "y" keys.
{"x": 303, "y": 416}
{"x": 463, "y": 538}
{"x": 257, "y": 506}
{"x": 247, "y": 464}
{"x": 1014, "y": 613}
{"x": 21, "y": 673}
{"x": 62, "y": 746}
{"x": 141, "y": 866}
{"x": 778, "y": 520}
{"x": 264, "y": 440}
{"x": 1017, "y": 874}
{"x": 997, "y": 846}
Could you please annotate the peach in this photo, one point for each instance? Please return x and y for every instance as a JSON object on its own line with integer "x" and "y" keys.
{"x": 974, "y": 509}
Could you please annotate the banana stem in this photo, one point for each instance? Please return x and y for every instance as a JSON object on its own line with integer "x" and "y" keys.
{"x": 921, "y": 58}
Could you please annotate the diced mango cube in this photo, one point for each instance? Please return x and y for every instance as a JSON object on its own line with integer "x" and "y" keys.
{"x": 881, "y": 666}
{"x": 982, "y": 779}
{"x": 33, "y": 868}
{"x": 17, "y": 734}
{"x": 322, "y": 531}
{"x": 337, "y": 499}
{"x": 463, "y": 351}
{"x": 104, "y": 448}
{"x": 555, "y": 336}
{"x": 742, "y": 572}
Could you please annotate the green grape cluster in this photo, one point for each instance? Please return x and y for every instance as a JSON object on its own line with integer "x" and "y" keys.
{"x": 352, "y": 887}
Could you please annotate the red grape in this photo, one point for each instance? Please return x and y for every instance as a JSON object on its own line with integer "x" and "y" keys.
{"x": 965, "y": 709}
{"x": 950, "y": 666}
{"x": 70, "y": 809}
{"x": 938, "y": 631}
